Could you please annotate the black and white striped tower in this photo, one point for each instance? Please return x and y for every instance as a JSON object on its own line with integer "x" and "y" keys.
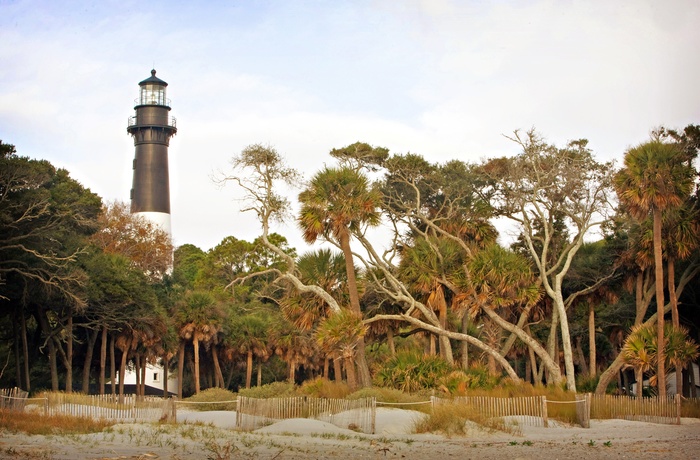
{"x": 152, "y": 127}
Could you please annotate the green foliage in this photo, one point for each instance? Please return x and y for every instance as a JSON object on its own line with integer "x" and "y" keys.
{"x": 271, "y": 390}
{"x": 458, "y": 382}
{"x": 411, "y": 372}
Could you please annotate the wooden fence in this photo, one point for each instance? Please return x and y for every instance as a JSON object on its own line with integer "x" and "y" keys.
{"x": 125, "y": 408}
{"x": 532, "y": 410}
{"x": 357, "y": 415}
{"x": 13, "y": 399}
{"x": 654, "y": 410}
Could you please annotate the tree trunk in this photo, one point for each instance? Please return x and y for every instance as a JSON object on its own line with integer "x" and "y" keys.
{"x": 671, "y": 272}
{"x": 326, "y": 368}
{"x": 445, "y": 345}
{"x": 259, "y": 382}
{"x": 639, "y": 377}
{"x": 362, "y": 366}
{"x": 566, "y": 341}
{"x": 581, "y": 358}
{"x": 46, "y": 329}
{"x": 137, "y": 374}
{"x": 350, "y": 372}
{"x": 218, "y": 375}
{"x": 292, "y": 370}
{"x": 249, "y": 369}
{"x": 122, "y": 368}
{"x": 68, "y": 359}
{"x": 144, "y": 368}
{"x": 103, "y": 360}
{"x": 337, "y": 370}
{"x": 195, "y": 343}
{"x": 89, "y": 350}
{"x": 16, "y": 347}
{"x": 390, "y": 341}
{"x": 465, "y": 344}
{"x": 180, "y": 368}
{"x": 25, "y": 351}
{"x": 166, "y": 373}
{"x": 112, "y": 365}
{"x": 548, "y": 362}
{"x": 659, "y": 281}
{"x": 592, "y": 371}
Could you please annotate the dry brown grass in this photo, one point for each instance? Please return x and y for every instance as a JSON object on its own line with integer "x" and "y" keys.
{"x": 452, "y": 419}
{"x": 37, "y": 424}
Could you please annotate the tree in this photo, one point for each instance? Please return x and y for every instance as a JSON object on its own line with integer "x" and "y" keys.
{"x": 148, "y": 246}
{"x": 639, "y": 351}
{"x": 547, "y": 190}
{"x": 45, "y": 217}
{"x": 199, "y": 319}
{"x": 656, "y": 178}
{"x": 336, "y": 203}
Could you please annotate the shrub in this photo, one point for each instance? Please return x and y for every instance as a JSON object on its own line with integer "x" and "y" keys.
{"x": 323, "y": 388}
{"x": 453, "y": 419}
{"x": 459, "y": 381}
{"x": 411, "y": 372}
{"x": 211, "y": 396}
{"x": 271, "y": 390}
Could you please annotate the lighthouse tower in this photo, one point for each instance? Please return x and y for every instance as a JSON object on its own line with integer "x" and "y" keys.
{"x": 152, "y": 127}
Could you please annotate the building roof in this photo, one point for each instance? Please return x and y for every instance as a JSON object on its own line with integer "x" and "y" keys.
{"x": 153, "y": 79}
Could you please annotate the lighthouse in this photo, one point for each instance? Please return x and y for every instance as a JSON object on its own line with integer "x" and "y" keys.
{"x": 152, "y": 127}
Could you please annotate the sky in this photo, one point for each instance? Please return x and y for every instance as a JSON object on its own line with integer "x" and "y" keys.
{"x": 445, "y": 79}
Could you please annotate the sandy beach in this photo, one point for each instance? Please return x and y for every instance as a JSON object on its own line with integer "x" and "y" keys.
{"x": 210, "y": 435}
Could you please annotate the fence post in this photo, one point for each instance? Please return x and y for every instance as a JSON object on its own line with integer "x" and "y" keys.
{"x": 373, "y": 403}
{"x": 544, "y": 412}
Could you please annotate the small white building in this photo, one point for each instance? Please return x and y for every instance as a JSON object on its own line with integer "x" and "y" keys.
{"x": 671, "y": 382}
{"x": 155, "y": 377}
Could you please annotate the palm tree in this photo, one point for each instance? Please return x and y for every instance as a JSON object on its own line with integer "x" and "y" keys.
{"x": 323, "y": 268}
{"x": 640, "y": 352}
{"x": 340, "y": 333}
{"x": 337, "y": 203}
{"x": 655, "y": 178}
{"x": 199, "y": 319}
{"x": 680, "y": 350}
{"x": 248, "y": 335}
{"x": 426, "y": 267}
{"x": 501, "y": 281}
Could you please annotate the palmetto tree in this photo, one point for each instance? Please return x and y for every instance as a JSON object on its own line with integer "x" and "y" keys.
{"x": 326, "y": 269}
{"x": 248, "y": 335}
{"x": 337, "y": 203}
{"x": 655, "y": 178}
{"x": 340, "y": 333}
{"x": 198, "y": 319}
{"x": 640, "y": 352}
{"x": 680, "y": 350}
{"x": 426, "y": 267}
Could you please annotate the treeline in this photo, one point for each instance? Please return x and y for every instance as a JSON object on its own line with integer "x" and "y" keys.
{"x": 88, "y": 290}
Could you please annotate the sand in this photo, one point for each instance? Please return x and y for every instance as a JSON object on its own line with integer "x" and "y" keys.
{"x": 210, "y": 435}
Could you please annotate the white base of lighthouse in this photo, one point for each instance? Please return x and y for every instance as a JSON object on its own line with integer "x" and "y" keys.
{"x": 161, "y": 219}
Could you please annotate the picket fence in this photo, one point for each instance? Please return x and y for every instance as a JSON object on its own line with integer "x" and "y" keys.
{"x": 357, "y": 415}
{"x": 531, "y": 410}
{"x": 125, "y": 408}
{"x": 654, "y": 410}
{"x": 13, "y": 399}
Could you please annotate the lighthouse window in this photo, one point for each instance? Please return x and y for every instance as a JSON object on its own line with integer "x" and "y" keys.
{"x": 152, "y": 94}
